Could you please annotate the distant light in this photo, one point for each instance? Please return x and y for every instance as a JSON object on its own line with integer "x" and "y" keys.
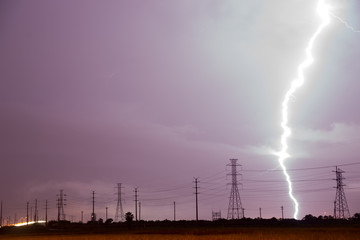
{"x": 25, "y": 223}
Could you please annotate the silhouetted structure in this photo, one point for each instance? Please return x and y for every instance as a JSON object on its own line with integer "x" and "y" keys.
{"x": 36, "y": 212}
{"x": 260, "y": 213}
{"x": 27, "y": 212}
{"x": 136, "y": 202}
{"x": 341, "y": 209}
{"x": 60, "y": 205}
{"x": 174, "y": 211}
{"x": 1, "y": 214}
{"x": 93, "y": 215}
{"x": 119, "y": 215}
{"x": 235, "y": 209}
{"x": 196, "y": 181}
{"x": 216, "y": 215}
{"x": 46, "y": 212}
{"x": 139, "y": 211}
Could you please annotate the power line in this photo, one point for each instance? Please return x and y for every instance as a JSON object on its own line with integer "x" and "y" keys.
{"x": 302, "y": 169}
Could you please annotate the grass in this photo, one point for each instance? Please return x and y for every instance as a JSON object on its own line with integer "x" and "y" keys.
{"x": 241, "y": 234}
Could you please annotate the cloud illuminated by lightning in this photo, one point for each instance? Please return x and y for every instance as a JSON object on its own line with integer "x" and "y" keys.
{"x": 324, "y": 14}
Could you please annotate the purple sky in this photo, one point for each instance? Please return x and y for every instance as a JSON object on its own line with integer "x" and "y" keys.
{"x": 153, "y": 93}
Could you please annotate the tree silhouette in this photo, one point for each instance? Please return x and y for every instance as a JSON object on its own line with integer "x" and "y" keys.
{"x": 109, "y": 221}
{"x": 129, "y": 217}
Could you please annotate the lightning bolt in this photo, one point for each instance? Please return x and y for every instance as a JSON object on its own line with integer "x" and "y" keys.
{"x": 345, "y": 23}
{"x": 324, "y": 14}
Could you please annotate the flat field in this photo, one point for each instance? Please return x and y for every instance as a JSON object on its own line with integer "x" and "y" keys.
{"x": 244, "y": 234}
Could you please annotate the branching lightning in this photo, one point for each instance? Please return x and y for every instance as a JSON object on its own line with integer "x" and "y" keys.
{"x": 345, "y": 23}
{"x": 324, "y": 14}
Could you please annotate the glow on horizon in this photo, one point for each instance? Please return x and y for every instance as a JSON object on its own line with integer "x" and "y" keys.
{"x": 27, "y": 223}
{"x": 323, "y": 12}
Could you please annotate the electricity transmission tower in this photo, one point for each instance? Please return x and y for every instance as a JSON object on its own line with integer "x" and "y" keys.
{"x": 341, "y": 209}
{"x": 60, "y": 205}
{"x": 119, "y": 215}
{"x": 235, "y": 209}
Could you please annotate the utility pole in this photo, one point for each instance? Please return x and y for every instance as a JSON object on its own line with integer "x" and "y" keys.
{"x": 235, "y": 209}
{"x": 93, "y": 216}
{"x": 139, "y": 211}
{"x": 341, "y": 209}
{"x": 136, "y": 202}
{"x": 27, "y": 213}
{"x": 174, "y": 211}
{"x": 119, "y": 215}
{"x": 46, "y": 212}
{"x": 82, "y": 216}
{"x": 106, "y": 213}
{"x": 282, "y": 212}
{"x": 196, "y": 181}
{"x": 1, "y": 213}
{"x": 36, "y": 212}
{"x": 260, "y": 213}
{"x": 243, "y": 210}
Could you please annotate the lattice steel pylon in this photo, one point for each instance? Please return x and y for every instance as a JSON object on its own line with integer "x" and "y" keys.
{"x": 235, "y": 209}
{"x": 61, "y": 202}
{"x": 119, "y": 215}
{"x": 341, "y": 209}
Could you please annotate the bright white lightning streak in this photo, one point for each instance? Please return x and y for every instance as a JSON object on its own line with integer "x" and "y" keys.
{"x": 323, "y": 12}
{"x": 345, "y": 23}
